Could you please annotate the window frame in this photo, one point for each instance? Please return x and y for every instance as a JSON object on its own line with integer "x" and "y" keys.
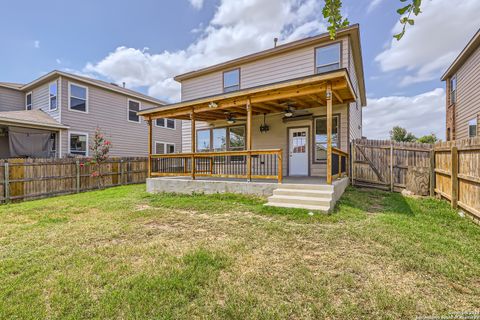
{"x": 340, "y": 56}
{"x": 166, "y": 123}
{"x": 227, "y": 143}
{"x": 70, "y": 97}
{"x": 31, "y": 100}
{"x": 50, "y": 97}
{"x": 139, "y": 109}
{"x": 474, "y": 120}
{"x": 453, "y": 92}
{"x": 314, "y": 142}
{"x": 165, "y": 147}
{"x": 70, "y": 133}
{"x": 239, "y": 80}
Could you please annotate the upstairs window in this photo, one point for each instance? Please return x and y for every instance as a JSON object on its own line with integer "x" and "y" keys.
{"x": 327, "y": 58}
{"x": 453, "y": 89}
{"x": 78, "y": 98}
{"x": 321, "y": 137}
{"x": 231, "y": 80}
{"x": 165, "y": 123}
{"x": 28, "y": 101}
{"x": 133, "y": 108}
{"x": 52, "y": 88}
{"x": 472, "y": 128}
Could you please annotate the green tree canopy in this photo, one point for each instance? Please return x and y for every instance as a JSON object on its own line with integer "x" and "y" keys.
{"x": 400, "y": 134}
{"x": 431, "y": 138}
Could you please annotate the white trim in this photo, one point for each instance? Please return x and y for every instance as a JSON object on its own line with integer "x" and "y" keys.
{"x": 78, "y": 133}
{"x": 31, "y": 100}
{"x": 56, "y": 95}
{"x": 165, "y": 144}
{"x": 128, "y": 110}
{"x": 60, "y": 99}
{"x": 165, "y": 126}
{"x": 70, "y": 96}
{"x": 60, "y": 144}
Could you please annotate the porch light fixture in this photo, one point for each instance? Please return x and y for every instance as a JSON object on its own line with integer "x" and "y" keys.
{"x": 264, "y": 128}
{"x": 212, "y": 105}
{"x": 329, "y": 95}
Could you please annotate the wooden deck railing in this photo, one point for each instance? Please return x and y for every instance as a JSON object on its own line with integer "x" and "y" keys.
{"x": 339, "y": 163}
{"x": 254, "y": 164}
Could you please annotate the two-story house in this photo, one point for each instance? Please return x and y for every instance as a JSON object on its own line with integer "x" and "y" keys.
{"x": 287, "y": 112}
{"x": 57, "y": 114}
{"x": 462, "y": 80}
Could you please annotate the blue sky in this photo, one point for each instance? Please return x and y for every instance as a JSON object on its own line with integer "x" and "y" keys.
{"x": 146, "y": 42}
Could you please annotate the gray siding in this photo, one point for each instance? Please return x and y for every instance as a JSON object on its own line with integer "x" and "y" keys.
{"x": 108, "y": 110}
{"x": 467, "y": 106}
{"x": 40, "y": 100}
{"x": 355, "y": 108}
{"x": 11, "y": 100}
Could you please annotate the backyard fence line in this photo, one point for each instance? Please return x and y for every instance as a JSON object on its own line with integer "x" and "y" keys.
{"x": 22, "y": 179}
{"x": 450, "y": 170}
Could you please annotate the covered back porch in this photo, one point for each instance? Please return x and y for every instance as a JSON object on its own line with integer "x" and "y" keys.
{"x": 284, "y": 149}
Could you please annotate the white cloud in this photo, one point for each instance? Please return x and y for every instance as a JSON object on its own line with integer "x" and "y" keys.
{"x": 237, "y": 28}
{"x": 421, "y": 114}
{"x": 373, "y": 4}
{"x": 58, "y": 61}
{"x": 440, "y": 32}
{"x": 197, "y": 4}
{"x": 36, "y": 44}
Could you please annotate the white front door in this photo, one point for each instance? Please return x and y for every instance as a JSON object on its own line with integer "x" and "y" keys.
{"x": 298, "y": 157}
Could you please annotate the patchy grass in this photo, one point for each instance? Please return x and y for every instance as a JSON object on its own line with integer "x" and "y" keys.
{"x": 122, "y": 253}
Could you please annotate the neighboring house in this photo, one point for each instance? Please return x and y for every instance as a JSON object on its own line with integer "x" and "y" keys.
{"x": 278, "y": 99}
{"x": 56, "y": 116}
{"x": 463, "y": 92}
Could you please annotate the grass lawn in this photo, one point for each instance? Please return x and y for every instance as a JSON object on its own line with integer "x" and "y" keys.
{"x": 122, "y": 253}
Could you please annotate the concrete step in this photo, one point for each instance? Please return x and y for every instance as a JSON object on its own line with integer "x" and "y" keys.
{"x": 318, "y": 194}
{"x": 299, "y": 206}
{"x": 309, "y": 201}
{"x": 324, "y": 187}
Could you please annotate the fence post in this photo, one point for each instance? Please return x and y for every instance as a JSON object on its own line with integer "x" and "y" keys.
{"x": 6, "y": 184}
{"x": 121, "y": 171}
{"x": 77, "y": 180}
{"x": 352, "y": 163}
{"x": 391, "y": 167}
{"x": 432, "y": 172}
{"x": 454, "y": 155}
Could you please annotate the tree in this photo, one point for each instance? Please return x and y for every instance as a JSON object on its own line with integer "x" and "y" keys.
{"x": 400, "y": 134}
{"x": 431, "y": 138}
{"x": 100, "y": 149}
{"x": 332, "y": 12}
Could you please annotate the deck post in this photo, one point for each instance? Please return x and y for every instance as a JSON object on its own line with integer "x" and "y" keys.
{"x": 329, "y": 132}
{"x": 194, "y": 142}
{"x": 249, "y": 140}
{"x": 150, "y": 148}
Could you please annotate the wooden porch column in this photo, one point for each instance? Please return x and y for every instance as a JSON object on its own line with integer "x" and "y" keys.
{"x": 249, "y": 140}
{"x": 150, "y": 147}
{"x": 194, "y": 142}
{"x": 329, "y": 132}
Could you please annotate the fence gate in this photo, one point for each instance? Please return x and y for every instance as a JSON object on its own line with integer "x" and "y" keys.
{"x": 385, "y": 164}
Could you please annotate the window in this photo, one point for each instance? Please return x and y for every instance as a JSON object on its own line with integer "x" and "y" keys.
{"x": 78, "y": 98}
{"x": 28, "y": 101}
{"x": 165, "y": 123}
{"x": 162, "y": 148}
{"x": 327, "y": 58}
{"x": 133, "y": 108}
{"x": 320, "y": 151}
{"x": 52, "y": 88}
{"x": 221, "y": 139}
{"x": 472, "y": 128}
{"x": 78, "y": 144}
{"x": 453, "y": 89}
{"x": 231, "y": 80}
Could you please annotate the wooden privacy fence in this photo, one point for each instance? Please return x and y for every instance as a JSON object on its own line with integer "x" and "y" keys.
{"x": 37, "y": 178}
{"x": 385, "y": 164}
{"x": 457, "y": 173}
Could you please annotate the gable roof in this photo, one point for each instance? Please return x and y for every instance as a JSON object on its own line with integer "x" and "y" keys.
{"x": 91, "y": 81}
{"x": 34, "y": 118}
{"x": 11, "y": 85}
{"x": 352, "y": 31}
{"x": 470, "y": 48}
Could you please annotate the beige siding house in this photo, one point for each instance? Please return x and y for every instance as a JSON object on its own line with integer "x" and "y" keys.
{"x": 68, "y": 108}
{"x": 463, "y": 93}
{"x": 289, "y": 112}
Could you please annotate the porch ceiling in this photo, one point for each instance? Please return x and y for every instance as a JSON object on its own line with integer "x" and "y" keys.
{"x": 301, "y": 93}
